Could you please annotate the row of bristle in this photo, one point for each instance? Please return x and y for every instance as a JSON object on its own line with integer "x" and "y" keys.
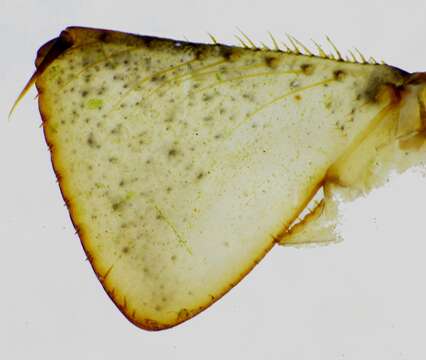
{"x": 293, "y": 46}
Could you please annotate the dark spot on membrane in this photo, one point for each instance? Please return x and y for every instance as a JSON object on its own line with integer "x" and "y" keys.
{"x": 230, "y": 54}
{"x": 103, "y": 36}
{"x": 117, "y": 206}
{"x": 207, "y": 97}
{"x": 339, "y": 75}
{"x": 307, "y": 69}
{"x": 116, "y": 130}
{"x": 272, "y": 61}
{"x": 172, "y": 152}
{"x": 92, "y": 142}
{"x": 297, "y": 97}
{"x": 125, "y": 250}
{"x": 157, "y": 78}
{"x": 201, "y": 53}
{"x": 200, "y": 175}
{"x": 248, "y": 97}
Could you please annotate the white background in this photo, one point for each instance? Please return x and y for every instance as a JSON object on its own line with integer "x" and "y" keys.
{"x": 361, "y": 299}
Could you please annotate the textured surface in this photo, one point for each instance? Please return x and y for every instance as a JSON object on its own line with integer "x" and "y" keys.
{"x": 182, "y": 163}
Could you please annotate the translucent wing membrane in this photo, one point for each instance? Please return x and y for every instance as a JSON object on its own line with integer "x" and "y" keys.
{"x": 182, "y": 164}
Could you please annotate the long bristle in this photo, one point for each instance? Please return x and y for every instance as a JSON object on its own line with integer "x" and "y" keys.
{"x": 339, "y": 55}
{"x": 295, "y": 49}
{"x": 274, "y": 42}
{"x": 250, "y": 42}
{"x": 212, "y": 38}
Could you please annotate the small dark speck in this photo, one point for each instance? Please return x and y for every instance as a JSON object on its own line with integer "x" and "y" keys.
{"x": 91, "y": 141}
{"x": 172, "y": 152}
{"x": 307, "y": 69}
{"x": 339, "y": 75}
{"x": 116, "y": 129}
{"x": 207, "y": 97}
{"x": 248, "y": 96}
{"x": 272, "y": 62}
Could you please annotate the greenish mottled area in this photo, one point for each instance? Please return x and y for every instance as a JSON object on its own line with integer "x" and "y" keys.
{"x": 95, "y": 103}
